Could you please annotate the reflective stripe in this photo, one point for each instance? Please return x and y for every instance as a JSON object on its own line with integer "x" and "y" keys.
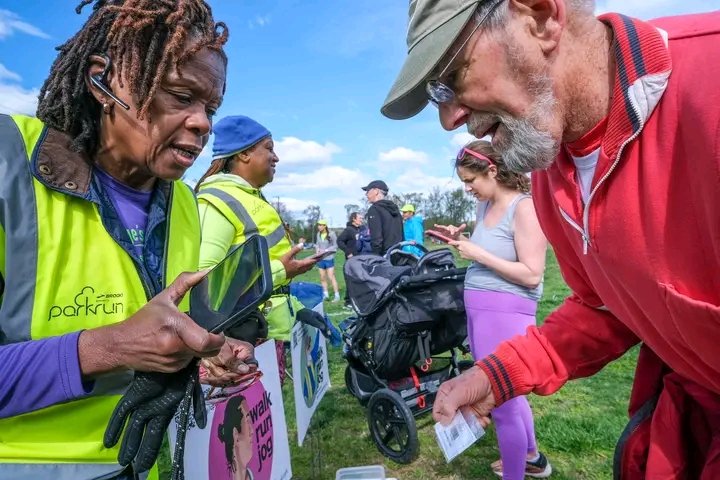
{"x": 19, "y": 220}
{"x": 276, "y": 237}
{"x": 241, "y": 212}
{"x": 112, "y": 383}
{"x": 60, "y": 471}
{"x": 237, "y": 208}
{"x": 54, "y": 471}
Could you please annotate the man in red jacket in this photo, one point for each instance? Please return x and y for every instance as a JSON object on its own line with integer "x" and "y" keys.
{"x": 620, "y": 121}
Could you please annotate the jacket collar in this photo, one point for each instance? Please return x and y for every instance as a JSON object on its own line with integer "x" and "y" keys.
{"x": 231, "y": 178}
{"x": 642, "y": 69}
{"x": 57, "y": 166}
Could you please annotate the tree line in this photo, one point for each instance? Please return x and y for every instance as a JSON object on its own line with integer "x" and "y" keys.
{"x": 448, "y": 207}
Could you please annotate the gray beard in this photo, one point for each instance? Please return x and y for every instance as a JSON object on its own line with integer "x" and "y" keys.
{"x": 524, "y": 146}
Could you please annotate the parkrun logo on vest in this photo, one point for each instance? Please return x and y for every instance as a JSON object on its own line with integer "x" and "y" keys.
{"x": 87, "y": 304}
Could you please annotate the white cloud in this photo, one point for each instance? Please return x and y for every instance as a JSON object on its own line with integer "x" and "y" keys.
{"x": 14, "y": 98}
{"x": 294, "y": 204}
{"x": 324, "y": 178}
{"x": 293, "y": 150}
{"x": 403, "y": 155}
{"x": 6, "y": 74}
{"x": 259, "y": 21}
{"x": 11, "y": 23}
{"x": 415, "y": 180}
{"x": 342, "y": 201}
{"x": 461, "y": 139}
{"x": 647, "y": 9}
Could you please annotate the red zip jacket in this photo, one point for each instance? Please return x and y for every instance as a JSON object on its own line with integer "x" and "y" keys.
{"x": 642, "y": 257}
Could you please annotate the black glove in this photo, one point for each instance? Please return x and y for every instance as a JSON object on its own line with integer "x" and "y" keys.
{"x": 252, "y": 328}
{"x": 314, "y": 319}
{"x": 151, "y": 402}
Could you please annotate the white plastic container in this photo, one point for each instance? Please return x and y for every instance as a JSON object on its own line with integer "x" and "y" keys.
{"x": 368, "y": 472}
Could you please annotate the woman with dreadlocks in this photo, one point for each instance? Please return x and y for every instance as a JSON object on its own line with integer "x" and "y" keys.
{"x": 96, "y": 230}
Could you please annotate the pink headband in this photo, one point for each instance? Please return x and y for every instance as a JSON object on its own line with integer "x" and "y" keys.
{"x": 474, "y": 154}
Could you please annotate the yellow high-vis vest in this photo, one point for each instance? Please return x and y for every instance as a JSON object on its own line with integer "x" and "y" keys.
{"x": 250, "y": 214}
{"x": 64, "y": 272}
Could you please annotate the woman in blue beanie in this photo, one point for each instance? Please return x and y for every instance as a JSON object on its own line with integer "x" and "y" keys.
{"x": 232, "y": 207}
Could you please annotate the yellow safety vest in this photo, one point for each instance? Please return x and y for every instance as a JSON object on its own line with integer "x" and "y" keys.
{"x": 251, "y": 214}
{"x": 64, "y": 272}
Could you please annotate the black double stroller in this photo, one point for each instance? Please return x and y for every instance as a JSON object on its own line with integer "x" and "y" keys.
{"x": 410, "y": 315}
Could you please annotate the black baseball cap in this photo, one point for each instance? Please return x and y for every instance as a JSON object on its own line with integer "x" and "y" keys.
{"x": 376, "y": 184}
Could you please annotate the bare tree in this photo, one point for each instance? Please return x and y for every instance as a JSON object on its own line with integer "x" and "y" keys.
{"x": 286, "y": 215}
{"x": 350, "y": 208}
{"x": 458, "y": 207}
{"x": 446, "y": 207}
{"x": 312, "y": 214}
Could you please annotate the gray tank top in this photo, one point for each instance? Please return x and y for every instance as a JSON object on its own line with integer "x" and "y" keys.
{"x": 500, "y": 241}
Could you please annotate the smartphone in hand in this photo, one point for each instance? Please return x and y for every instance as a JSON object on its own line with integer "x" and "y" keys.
{"x": 324, "y": 254}
{"x": 438, "y": 236}
{"x": 234, "y": 287}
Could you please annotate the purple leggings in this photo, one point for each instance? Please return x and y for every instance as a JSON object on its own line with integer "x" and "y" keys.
{"x": 492, "y": 318}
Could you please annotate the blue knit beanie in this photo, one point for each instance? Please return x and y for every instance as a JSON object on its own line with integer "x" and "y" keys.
{"x": 236, "y": 133}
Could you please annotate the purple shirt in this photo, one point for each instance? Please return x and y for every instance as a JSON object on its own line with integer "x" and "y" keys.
{"x": 132, "y": 208}
{"x": 40, "y": 373}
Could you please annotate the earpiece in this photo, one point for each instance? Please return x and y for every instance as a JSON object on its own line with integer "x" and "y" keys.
{"x": 99, "y": 81}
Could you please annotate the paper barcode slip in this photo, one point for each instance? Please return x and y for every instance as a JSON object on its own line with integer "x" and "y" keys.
{"x": 459, "y": 435}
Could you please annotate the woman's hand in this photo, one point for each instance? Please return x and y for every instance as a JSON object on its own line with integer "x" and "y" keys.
{"x": 235, "y": 360}
{"x": 294, "y": 267}
{"x": 469, "y": 250}
{"x": 451, "y": 230}
{"x": 157, "y": 338}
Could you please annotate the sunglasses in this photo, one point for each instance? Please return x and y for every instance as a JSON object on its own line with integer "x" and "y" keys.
{"x": 437, "y": 91}
{"x": 473, "y": 153}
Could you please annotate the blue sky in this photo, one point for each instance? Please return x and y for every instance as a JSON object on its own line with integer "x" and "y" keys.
{"x": 315, "y": 72}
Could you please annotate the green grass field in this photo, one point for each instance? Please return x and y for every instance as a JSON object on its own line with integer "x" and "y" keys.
{"x": 576, "y": 428}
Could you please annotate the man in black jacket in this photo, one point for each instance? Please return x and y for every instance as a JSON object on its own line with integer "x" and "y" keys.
{"x": 347, "y": 241}
{"x": 384, "y": 218}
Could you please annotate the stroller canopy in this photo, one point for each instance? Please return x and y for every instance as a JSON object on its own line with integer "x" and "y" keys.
{"x": 369, "y": 277}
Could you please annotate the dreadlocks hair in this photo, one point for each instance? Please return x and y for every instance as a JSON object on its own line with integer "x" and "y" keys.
{"x": 218, "y": 165}
{"x": 505, "y": 177}
{"x": 144, "y": 38}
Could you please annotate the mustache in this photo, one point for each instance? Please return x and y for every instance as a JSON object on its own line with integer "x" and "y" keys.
{"x": 481, "y": 122}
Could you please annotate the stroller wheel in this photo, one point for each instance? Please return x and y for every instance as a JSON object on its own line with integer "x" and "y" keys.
{"x": 392, "y": 426}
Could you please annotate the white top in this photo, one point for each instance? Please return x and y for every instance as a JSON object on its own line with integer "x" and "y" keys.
{"x": 586, "y": 171}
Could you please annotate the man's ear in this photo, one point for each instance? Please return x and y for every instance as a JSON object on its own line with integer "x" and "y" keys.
{"x": 544, "y": 20}
{"x": 96, "y": 67}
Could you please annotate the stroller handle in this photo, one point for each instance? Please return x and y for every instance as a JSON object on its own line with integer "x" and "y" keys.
{"x": 405, "y": 243}
{"x": 416, "y": 280}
